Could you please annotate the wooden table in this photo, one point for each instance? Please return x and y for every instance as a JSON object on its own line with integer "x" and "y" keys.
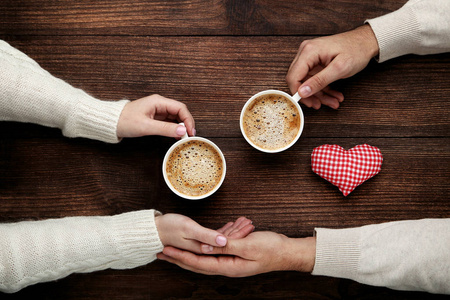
{"x": 213, "y": 55}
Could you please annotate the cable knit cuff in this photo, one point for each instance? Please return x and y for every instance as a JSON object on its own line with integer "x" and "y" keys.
{"x": 137, "y": 237}
{"x": 94, "y": 119}
{"x": 337, "y": 252}
{"x": 397, "y": 33}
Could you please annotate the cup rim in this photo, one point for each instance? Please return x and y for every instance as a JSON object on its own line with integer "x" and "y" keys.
{"x": 185, "y": 140}
{"x": 290, "y": 98}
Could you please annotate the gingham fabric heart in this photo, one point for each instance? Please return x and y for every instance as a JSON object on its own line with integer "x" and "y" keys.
{"x": 346, "y": 169}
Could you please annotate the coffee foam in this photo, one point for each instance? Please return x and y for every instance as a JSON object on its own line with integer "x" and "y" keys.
{"x": 194, "y": 168}
{"x": 271, "y": 121}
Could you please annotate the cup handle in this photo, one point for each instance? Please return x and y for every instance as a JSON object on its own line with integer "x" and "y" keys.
{"x": 185, "y": 135}
{"x": 296, "y": 97}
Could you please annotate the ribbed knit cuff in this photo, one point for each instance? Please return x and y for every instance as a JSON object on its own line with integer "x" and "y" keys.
{"x": 337, "y": 252}
{"x": 95, "y": 119}
{"x": 137, "y": 237}
{"x": 397, "y": 33}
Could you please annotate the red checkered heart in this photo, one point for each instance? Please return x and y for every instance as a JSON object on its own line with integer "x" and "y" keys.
{"x": 346, "y": 169}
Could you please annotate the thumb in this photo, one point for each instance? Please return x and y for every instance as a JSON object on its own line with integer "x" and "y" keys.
{"x": 334, "y": 71}
{"x": 166, "y": 128}
{"x": 233, "y": 247}
{"x": 209, "y": 237}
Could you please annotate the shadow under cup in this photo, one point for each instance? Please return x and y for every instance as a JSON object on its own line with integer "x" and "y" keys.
{"x": 194, "y": 168}
{"x": 272, "y": 121}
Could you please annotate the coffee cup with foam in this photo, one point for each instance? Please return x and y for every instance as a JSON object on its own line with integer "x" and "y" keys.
{"x": 194, "y": 168}
{"x": 272, "y": 121}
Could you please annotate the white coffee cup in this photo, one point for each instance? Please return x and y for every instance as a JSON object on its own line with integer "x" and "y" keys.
{"x": 293, "y": 99}
{"x": 210, "y": 190}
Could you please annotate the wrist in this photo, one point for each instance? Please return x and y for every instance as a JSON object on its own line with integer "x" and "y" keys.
{"x": 303, "y": 254}
{"x": 367, "y": 34}
{"x": 159, "y": 228}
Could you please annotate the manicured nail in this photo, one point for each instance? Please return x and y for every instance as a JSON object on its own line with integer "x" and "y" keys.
{"x": 221, "y": 240}
{"x": 207, "y": 248}
{"x": 305, "y": 91}
{"x": 181, "y": 130}
{"x": 194, "y": 132}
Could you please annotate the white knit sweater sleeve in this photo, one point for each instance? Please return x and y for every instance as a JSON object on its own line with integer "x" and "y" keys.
{"x": 419, "y": 27}
{"x": 40, "y": 251}
{"x": 403, "y": 255}
{"x": 28, "y": 93}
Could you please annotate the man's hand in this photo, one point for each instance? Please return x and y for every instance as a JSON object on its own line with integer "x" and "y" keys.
{"x": 321, "y": 61}
{"x": 259, "y": 252}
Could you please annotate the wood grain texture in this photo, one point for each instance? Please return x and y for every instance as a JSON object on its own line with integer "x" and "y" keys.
{"x": 405, "y": 97}
{"x": 56, "y": 178}
{"x": 213, "y": 55}
{"x": 187, "y": 17}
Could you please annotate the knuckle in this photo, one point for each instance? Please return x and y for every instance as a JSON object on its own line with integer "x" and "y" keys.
{"x": 342, "y": 66}
{"x": 319, "y": 82}
{"x": 289, "y": 78}
{"x": 304, "y": 44}
{"x": 307, "y": 46}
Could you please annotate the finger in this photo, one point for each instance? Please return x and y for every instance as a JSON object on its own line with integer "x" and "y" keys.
{"x": 307, "y": 60}
{"x": 328, "y": 100}
{"x": 164, "y": 257}
{"x": 180, "y": 110}
{"x": 185, "y": 116}
{"x": 242, "y": 229}
{"x": 291, "y": 78}
{"x": 187, "y": 260}
{"x": 236, "y": 224}
{"x": 169, "y": 129}
{"x": 311, "y": 101}
{"x": 233, "y": 247}
{"x": 333, "y": 93}
{"x": 242, "y": 224}
{"x": 334, "y": 71}
{"x": 231, "y": 266}
{"x": 225, "y": 227}
{"x": 206, "y": 236}
{"x": 243, "y": 232}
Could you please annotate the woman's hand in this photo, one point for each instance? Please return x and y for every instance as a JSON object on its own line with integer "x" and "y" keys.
{"x": 182, "y": 232}
{"x": 155, "y": 115}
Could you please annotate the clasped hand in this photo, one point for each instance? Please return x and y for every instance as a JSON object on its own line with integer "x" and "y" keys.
{"x": 259, "y": 252}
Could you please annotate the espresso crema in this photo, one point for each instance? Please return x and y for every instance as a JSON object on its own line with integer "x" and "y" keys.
{"x": 194, "y": 168}
{"x": 271, "y": 121}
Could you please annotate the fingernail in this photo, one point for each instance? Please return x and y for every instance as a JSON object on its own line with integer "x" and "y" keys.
{"x": 207, "y": 248}
{"x": 194, "y": 132}
{"x": 305, "y": 91}
{"x": 181, "y": 130}
{"x": 221, "y": 240}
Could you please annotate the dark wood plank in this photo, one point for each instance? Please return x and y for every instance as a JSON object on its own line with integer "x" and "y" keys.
{"x": 405, "y": 97}
{"x": 113, "y": 284}
{"x": 213, "y": 55}
{"x": 43, "y": 178}
{"x": 187, "y": 17}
